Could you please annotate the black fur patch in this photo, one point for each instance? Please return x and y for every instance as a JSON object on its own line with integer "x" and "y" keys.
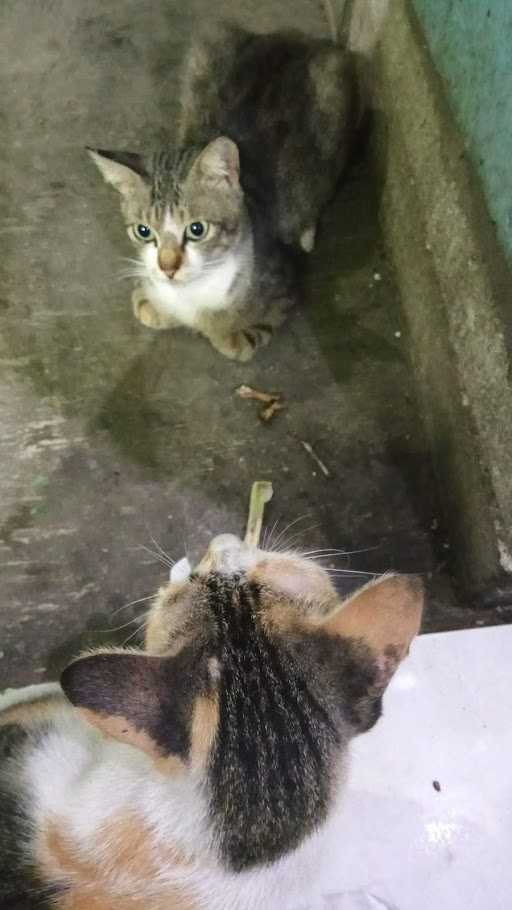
{"x": 345, "y": 671}
{"x": 258, "y": 91}
{"x": 170, "y": 169}
{"x": 289, "y": 704}
{"x": 270, "y": 770}
{"x": 154, "y": 694}
{"x": 20, "y": 887}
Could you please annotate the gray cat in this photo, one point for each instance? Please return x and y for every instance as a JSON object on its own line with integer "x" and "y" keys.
{"x": 266, "y": 126}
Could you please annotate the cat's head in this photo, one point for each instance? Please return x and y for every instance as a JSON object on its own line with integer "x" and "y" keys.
{"x": 183, "y": 211}
{"x": 255, "y": 678}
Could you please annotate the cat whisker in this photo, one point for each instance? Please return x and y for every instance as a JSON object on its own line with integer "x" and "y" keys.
{"x": 353, "y": 572}
{"x": 320, "y": 554}
{"x": 319, "y": 558}
{"x": 287, "y": 528}
{"x": 161, "y": 550}
{"x": 289, "y": 543}
{"x": 134, "y": 266}
{"x": 134, "y": 633}
{"x": 326, "y": 555}
{"x": 132, "y": 271}
{"x": 267, "y": 535}
{"x": 157, "y": 556}
{"x": 124, "y": 625}
{"x": 128, "y": 276}
{"x": 273, "y": 529}
{"x": 327, "y": 552}
{"x": 132, "y": 603}
{"x": 213, "y": 263}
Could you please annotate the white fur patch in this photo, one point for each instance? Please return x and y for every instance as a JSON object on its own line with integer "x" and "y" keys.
{"x": 11, "y": 697}
{"x": 180, "y": 570}
{"x": 169, "y": 226}
{"x": 206, "y": 289}
{"x": 307, "y": 239}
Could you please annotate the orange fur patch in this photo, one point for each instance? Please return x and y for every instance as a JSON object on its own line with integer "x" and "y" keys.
{"x": 133, "y": 848}
{"x": 87, "y": 901}
{"x": 384, "y": 613}
{"x": 283, "y": 618}
{"x": 125, "y": 846}
{"x": 205, "y": 721}
{"x": 121, "y": 729}
{"x": 300, "y": 593}
{"x": 386, "y": 616}
{"x": 31, "y": 713}
{"x": 94, "y": 898}
{"x": 61, "y": 859}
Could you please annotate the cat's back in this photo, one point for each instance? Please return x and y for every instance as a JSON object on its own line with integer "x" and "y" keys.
{"x": 291, "y": 105}
{"x": 262, "y": 87}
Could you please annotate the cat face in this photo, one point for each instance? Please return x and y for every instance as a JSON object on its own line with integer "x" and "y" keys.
{"x": 184, "y": 213}
{"x": 255, "y": 678}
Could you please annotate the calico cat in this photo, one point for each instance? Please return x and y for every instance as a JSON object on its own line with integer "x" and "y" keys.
{"x": 265, "y": 129}
{"x": 204, "y": 771}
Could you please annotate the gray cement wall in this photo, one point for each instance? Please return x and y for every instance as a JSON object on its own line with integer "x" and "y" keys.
{"x": 470, "y": 44}
{"x": 455, "y": 289}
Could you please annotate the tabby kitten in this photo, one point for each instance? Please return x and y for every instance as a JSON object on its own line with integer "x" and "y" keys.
{"x": 265, "y": 128}
{"x": 203, "y": 772}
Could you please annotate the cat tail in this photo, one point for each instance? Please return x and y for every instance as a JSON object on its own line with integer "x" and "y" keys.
{"x": 361, "y": 24}
{"x": 345, "y": 26}
{"x": 357, "y": 29}
{"x": 339, "y": 26}
{"x": 330, "y": 15}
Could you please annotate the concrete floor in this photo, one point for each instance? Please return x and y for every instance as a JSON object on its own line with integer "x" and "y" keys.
{"x": 114, "y": 437}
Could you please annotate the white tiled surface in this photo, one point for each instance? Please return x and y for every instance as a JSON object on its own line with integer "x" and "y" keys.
{"x": 403, "y": 846}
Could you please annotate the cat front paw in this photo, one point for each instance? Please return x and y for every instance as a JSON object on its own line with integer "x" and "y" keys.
{"x": 242, "y": 345}
{"x": 146, "y": 313}
{"x": 307, "y": 239}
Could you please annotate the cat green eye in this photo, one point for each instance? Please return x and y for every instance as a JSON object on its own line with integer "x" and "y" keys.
{"x": 143, "y": 232}
{"x": 197, "y": 230}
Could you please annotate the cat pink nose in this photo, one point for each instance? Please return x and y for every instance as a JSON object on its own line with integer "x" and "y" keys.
{"x": 170, "y": 258}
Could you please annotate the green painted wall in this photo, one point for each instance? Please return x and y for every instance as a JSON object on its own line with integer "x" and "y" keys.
{"x": 471, "y": 45}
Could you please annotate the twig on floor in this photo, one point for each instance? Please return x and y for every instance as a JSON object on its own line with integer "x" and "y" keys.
{"x": 261, "y": 493}
{"x": 247, "y": 393}
{"x": 272, "y": 401}
{"x": 311, "y": 452}
{"x": 268, "y": 412}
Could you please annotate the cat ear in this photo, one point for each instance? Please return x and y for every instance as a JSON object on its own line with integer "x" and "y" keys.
{"x": 156, "y": 704}
{"x": 126, "y": 171}
{"x": 220, "y": 161}
{"x": 385, "y": 615}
